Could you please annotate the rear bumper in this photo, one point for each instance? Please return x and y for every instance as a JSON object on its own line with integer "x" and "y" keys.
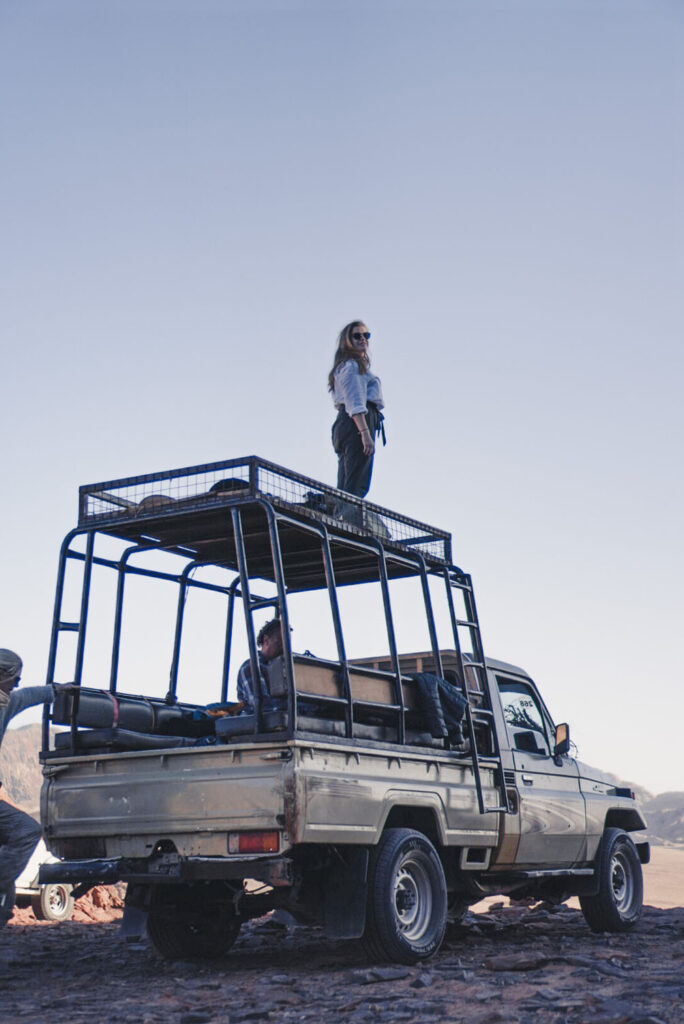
{"x": 97, "y": 872}
{"x": 272, "y": 871}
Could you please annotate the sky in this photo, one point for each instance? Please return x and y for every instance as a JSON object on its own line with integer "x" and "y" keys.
{"x": 198, "y": 194}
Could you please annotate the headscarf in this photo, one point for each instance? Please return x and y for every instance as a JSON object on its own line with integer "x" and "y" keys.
{"x": 10, "y": 665}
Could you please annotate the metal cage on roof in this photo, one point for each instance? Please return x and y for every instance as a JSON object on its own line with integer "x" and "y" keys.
{"x": 186, "y": 508}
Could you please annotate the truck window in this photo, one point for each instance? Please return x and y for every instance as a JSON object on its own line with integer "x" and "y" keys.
{"x": 524, "y": 718}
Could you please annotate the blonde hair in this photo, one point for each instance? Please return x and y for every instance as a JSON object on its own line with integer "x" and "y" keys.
{"x": 346, "y": 350}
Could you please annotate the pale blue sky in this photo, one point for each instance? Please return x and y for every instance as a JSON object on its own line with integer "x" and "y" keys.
{"x": 198, "y": 195}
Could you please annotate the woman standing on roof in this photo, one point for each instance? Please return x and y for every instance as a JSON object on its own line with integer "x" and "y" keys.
{"x": 357, "y": 394}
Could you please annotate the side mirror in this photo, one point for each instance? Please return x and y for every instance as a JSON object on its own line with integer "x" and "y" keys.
{"x": 562, "y": 739}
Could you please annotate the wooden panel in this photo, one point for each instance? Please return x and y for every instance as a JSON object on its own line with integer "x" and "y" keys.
{"x": 378, "y": 689}
{"x": 324, "y": 680}
{"x": 312, "y": 678}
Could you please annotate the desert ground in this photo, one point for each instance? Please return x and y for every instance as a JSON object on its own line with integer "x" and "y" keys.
{"x": 664, "y": 878}
{"x": 504, "y": 963}
{"x": 663, "y": 881}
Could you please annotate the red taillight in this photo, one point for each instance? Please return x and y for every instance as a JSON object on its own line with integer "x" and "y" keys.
{"x": 253, "y": 842}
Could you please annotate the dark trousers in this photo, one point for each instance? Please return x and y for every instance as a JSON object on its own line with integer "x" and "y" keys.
{"x": 354, "y": 469}
{"x": 19, "y": 835}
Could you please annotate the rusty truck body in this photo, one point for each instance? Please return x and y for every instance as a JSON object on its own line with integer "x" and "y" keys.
{"x": 342, "y": 795}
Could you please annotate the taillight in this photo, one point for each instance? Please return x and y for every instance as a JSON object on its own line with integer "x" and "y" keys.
{"x": 253, "y": 842}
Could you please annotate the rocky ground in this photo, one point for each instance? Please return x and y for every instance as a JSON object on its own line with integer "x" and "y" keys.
{"x": 514, "y": 964}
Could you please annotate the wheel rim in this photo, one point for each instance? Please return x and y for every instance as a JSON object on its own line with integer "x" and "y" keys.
{"x": 412, "y": 897}
{"x": 58, "y": 898}
{"x": 622, "y": 882}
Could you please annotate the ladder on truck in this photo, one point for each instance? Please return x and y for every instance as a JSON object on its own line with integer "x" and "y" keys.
{"x": 473, "y": 670}
{"x": 61, "y": 626}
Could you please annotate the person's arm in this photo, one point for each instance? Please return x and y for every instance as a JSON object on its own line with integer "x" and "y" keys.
{"x": 353, "y": 386}
{"x": 244, "y": 687}
{"x": 367, "y": 440}
{"x": 28, "y": 696}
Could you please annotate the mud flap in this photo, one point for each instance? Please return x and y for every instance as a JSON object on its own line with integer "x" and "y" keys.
{"x": 134, "y": 922}
{"x": 345, "y": 891}
{"x": 133, "y": 925}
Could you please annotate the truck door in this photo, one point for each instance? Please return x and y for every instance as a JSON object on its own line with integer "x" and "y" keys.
{"x": 552, "y": 811}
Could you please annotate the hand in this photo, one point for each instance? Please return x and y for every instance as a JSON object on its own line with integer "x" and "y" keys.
{"x": 367, "y": 443}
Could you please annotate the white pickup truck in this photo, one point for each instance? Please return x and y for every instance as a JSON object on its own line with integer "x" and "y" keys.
{"x": 376, "y": 795}
{"x": 51, "y": 902}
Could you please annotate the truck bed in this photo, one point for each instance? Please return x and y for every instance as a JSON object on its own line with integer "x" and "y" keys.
{"x": 127, "y": 804}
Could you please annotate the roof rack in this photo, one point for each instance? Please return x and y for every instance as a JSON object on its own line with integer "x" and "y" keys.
{"x": 134, "y": 507}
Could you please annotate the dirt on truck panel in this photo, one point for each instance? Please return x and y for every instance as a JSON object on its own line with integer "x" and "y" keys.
{"x": 375, "y": 795}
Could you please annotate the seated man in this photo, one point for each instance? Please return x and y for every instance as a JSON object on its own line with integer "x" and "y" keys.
{"x": 273, "y": 682}
{"x": 270, "y": 644}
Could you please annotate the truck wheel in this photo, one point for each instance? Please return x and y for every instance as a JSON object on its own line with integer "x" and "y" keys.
{"x": 53, "y": 903}
{"x": 617, "y": 905}
{"x": 407, "y": 898}
{"x": 192, "y": 922}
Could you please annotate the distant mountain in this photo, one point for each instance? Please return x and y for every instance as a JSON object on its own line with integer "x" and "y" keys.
{"x": 22, "y": 778}
{"x": 20, "y": 770}
{"x": 665, "y": 817}
{"x": 664, "y": 813}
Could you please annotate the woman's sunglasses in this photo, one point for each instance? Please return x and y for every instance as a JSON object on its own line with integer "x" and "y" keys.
{"x": 358, "y": 335}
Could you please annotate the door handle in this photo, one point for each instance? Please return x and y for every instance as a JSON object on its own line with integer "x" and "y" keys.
{"x": 528, "y": 780}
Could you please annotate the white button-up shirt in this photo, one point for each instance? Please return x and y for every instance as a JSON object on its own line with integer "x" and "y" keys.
{"x": 354, "y": 389}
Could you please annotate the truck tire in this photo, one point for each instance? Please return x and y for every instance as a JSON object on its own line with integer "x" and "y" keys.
{"x": 54, "y": 902}
{"x": 617, "y": 905}
{"x": 192, "y": 922}
{"x": 407, "y": 898}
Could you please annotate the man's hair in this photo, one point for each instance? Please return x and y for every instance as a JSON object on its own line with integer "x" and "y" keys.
{"x": 273, "y": 627}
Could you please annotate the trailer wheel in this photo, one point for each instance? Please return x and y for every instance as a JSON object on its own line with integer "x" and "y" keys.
{"x": 54, "y": 902}
{"x": 192, "y": 922}
{"x": 407, "y": 898}
{"x": 617, "y": 905}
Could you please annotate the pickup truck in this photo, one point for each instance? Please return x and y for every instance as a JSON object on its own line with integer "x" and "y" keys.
{"x": 345, "y": 795}
{"x": 53, "y": 902}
